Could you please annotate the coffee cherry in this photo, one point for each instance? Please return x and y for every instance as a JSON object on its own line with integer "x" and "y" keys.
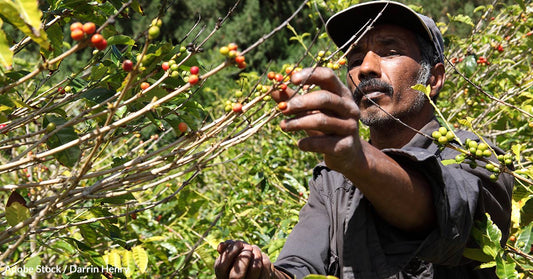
{"x": 193, "y": 79}
{"x": 50, "y": 127}
{"x": 145, "y": 85}
{"x": 194, "y": 70}
{"x": 459, "y": 158}
{"x": 232, "y": 54}
{"x": 175, "y": 74}
{"x": 271, "y": 75}
{"x": 238, "y": 94}
{"x": 77, "y": 34}
{"x": 242, "y": 65}
{"x": 224, "y": 50}
{"x": 89, "y": 28}
{"x": 98, "y": 41}
{"x": 165, "y": 66}
{"x": 182, "y": 126}
{"x": 233, "y": 46}
{"x": 239, "y": 59}
{"x": 282, "y": 105}
{"x": 157, "y": 22}
{"x": 283, "y": 87}
{"x": 237, "y": 107}
{"x": 76, "y": 25}
{"x": 153, "y": 32}
{"x": 127, "y": 65}
{"x": 278, "y": 77}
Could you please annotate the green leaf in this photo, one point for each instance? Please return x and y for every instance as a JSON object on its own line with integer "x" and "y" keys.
{"x": 461, "y": 18}
{"x": 16, "y": 210}
{"x": 32, "y": 263}
{"x": 69, "y": 156}
{"x": 128, "y": 263}
{"x": 89, "y": 233}
{"x": 522, "y": 5}
{"x": 470, "y": 63}
{"x": 119, "y": 199}
{"x": 24, "y": 14}
{"x": 6, "y": 55}
{"x": 505, "y": 268}
{"x": 97, "y": 95}
{"x": 30, "y": 12}
{"x": 137, "y": 7}
{"x": 526, "y": 217}
{"x": 140, "y": 257}
{"x": 477, "y": 255}
{"x": 424, "y": 89}
{"x": 448, "y": 162}
{"x": 120, "y": 40}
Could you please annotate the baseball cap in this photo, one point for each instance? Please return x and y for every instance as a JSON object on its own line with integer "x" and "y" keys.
{"x": 343, "y": 25}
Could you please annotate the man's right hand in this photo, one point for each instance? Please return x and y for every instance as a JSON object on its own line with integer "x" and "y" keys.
{"x": 240, "y": 260}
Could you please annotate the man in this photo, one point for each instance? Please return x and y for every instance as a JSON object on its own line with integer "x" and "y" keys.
{"x": 387, "y": 208}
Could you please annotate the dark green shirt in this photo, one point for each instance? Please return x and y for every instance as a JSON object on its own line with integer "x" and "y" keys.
{"x": 339, "y": 232}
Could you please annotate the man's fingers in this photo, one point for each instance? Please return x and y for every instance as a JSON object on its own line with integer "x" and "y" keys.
{"x": 280, "y": 96}
{"x": 268, "y": 268}
{"x": 241, "y": 264}
{"x": 227, "y": 258}
{"x": 325, "y": 78}
{"x": 223, "y": 245}
{"x": 254, "y": 271}
{"x": 324, "y": 101}
{"x": 321, "y": 123}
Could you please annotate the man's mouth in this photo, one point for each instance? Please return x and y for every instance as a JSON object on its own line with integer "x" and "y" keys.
{"x": 372, "y": 95}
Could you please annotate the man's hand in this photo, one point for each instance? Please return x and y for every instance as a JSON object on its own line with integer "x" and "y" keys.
{"x": 329, "y": 116}
{"x": 240, "y": 260}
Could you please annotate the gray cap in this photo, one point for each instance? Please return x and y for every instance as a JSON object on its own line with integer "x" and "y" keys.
{"x": 344, "y": 24}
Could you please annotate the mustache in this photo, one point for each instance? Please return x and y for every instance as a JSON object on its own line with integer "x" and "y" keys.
{"x": 371, "y": 85}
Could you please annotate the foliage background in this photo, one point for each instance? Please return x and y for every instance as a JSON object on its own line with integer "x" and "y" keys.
{"x": 250, "y": 190}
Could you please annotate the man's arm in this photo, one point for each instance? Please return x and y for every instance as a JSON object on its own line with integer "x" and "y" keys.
{"x": 400, "y": 195}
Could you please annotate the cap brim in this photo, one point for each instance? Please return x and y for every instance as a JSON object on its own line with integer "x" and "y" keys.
{"x": 343, "y": 25}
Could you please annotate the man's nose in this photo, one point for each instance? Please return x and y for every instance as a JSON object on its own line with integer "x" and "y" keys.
{"x": 370, "y": 67}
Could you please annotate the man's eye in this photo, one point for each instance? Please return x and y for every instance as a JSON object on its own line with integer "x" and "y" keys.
{"x": 355, "y": 63}
{"x": 393, "y": 52}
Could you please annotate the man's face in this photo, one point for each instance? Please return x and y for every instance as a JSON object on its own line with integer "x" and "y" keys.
{"x": 384, "y": 65}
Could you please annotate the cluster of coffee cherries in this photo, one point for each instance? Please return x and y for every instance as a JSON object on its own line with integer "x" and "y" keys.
{"x": 332, "y": 65}
{"x": 443, "y": 136}
{"x": 231, "y": 52}
{"x": 79, "y": 31}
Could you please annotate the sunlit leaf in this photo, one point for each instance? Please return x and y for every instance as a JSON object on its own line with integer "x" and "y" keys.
{"x": 6, "y": 55}
{"x": 16, "y": 209}
{"x": 140, "y": 257}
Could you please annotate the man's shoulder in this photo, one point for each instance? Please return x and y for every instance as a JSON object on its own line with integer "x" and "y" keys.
{"x": 327, "y": 181}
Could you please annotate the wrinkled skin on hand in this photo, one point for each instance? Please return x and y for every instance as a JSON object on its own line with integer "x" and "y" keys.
{"x": 329, "y": 116}
{"x": 240, "y": 260}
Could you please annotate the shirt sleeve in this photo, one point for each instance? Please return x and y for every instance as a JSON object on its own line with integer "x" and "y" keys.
{"x": 306, "y": 250}
{"x": 461, "y": 194}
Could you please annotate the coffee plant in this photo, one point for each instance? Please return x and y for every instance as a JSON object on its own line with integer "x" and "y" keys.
{"x": 130, "y": 151}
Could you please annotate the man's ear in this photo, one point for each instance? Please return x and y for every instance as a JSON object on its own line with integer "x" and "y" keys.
{"x": 436, "y": 81}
